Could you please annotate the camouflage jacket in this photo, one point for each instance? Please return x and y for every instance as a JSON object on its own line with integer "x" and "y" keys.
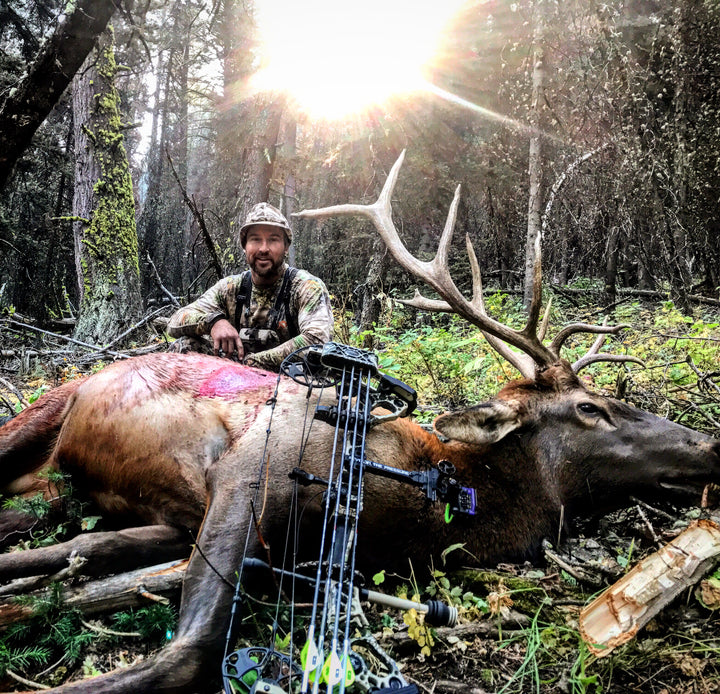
{"x": 309, "y": 305}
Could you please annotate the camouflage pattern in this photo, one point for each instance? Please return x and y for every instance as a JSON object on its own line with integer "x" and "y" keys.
{"x": 309, "y": 303}
{"x": 264, "y": 213}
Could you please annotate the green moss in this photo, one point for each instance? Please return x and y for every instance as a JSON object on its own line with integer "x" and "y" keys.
{"x": 111, "y": 234}
{"x": 109, "y": 262}
{"x": 527, "y": 595}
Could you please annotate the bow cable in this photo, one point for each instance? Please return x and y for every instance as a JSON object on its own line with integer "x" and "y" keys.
{"x": 254, "y": 669}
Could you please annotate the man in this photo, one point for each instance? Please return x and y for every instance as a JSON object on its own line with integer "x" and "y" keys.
{"x": 263, "y": 314}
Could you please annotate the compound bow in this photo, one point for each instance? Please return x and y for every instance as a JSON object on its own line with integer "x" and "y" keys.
{"x": 330, "y": 657}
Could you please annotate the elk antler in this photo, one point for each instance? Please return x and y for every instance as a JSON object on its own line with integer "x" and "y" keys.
{"x": 535, "y": 355}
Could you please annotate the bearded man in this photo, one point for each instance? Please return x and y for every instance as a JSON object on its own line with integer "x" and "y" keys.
{"x": 263, "y": 314}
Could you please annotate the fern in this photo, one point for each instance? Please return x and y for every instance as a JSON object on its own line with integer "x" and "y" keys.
{"x": 22, "y": 658}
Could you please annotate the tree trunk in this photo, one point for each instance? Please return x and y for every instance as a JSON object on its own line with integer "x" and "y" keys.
{"x": 532, "y": 246}
{"x": 104, "y": 208}
{"x": 177, "y": 147}
{"x": 612, "y": 250}
{"x": 109, "y": 594}
{"x": 262, "y": 115}
{"x": 369, "y": 302}
{"x": 289, "y": 198}
{"x": 32, "y": 99}
{"x": 149, "y": 221}
{"x": 681, "y": 222}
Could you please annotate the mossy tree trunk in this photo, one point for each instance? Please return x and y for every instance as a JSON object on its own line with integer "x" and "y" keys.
{"x": 106, "y": 247}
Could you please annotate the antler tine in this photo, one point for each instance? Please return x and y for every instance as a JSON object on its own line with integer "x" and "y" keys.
{"x": 593, "y": 354}
{"x": 574, "y": 328}
{"x": 545, "y": 321}
{"x": 477, "y": 284}
{"x": 426, "y": 304}
{"x": 380, "y": 214}
{"x": 522, "y": 362}
{"x": 423, "y": 302}
{"x": 436, "y": 273}
{"x": 592, "y": 358}
{"x": 599, "y": 341}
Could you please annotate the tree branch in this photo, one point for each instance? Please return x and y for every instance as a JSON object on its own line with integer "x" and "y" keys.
{"x": 60, "y": 57}
{"x": 200, "y": 221}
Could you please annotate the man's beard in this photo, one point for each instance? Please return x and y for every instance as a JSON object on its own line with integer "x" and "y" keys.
{"x": 267, "y": 271}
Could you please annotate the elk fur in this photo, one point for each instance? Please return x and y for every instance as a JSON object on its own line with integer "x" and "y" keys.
{"x": 169, "y": 446}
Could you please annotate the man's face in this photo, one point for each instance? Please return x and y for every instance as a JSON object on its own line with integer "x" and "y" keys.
{"x": 265, "y": 248}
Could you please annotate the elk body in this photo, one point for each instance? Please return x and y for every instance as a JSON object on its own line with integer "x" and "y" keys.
{"x": 169, "y": 446}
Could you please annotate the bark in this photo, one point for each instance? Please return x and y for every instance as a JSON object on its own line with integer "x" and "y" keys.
{"x": 262, "y": 116}
{"x": 177, "y": 146}
{"x": 249, "y": 123}
{"x": 109, "y": 594}
{"x": 533, "y": 239}
{"x": 37, "y": 93}
{"x": 289, "y": 145}
{"x": 150, "y": 221}
{"x": 369, "y": 302}
{"x": 681, "y": 222}
{"x": 612, "y": 251}
{"x": 103, "y": 206}
{"x": 617, "y": 615}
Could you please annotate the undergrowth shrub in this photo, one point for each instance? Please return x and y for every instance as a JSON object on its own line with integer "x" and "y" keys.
{"x": 451, "y": 365}
{"x": 55, "y": 631}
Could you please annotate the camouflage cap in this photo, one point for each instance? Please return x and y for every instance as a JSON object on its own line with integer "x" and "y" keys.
{"x": 264, "y": 213}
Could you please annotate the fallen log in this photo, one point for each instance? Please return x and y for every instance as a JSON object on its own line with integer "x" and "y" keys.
{"x": 109, "y": 594}
{"x": 615, "y": 617}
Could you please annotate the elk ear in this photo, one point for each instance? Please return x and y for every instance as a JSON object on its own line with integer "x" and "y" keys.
{"x": 482, "y": 424}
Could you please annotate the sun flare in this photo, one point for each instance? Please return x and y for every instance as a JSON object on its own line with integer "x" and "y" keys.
{"x": 335, "y": 57}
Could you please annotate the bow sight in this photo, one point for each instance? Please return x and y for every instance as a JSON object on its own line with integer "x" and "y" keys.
{"x": 333, "y": 657}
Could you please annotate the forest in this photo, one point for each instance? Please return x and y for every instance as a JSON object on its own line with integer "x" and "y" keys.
{"x": 626, "y": 115}
{"x": 135, "y": 136}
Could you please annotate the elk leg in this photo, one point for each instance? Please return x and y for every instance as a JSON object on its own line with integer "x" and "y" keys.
{"x": 106, "y": 552}
{"x": 190, "y": 663}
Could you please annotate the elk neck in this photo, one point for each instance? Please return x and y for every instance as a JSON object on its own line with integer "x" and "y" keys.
{"x": 517, "y": 505}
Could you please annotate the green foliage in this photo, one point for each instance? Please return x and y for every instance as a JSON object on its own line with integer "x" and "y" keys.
{"x": 22, "y": 657}
{"x": 451, "y": 365}
{"x": 35, "y": 505}
{"x": 153, "y": 622}
{"x": 54, "y": 628}
{"x": 471, "y": 605}
{"x": 65, "y": 516}
{"x": 448, "y": 362}
{"x": 625, "y": 560}
{"x": 40, "y": 390}
{"x": 681, "y": 353}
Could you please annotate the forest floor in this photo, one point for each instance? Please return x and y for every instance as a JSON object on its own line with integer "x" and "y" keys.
{"x": 518, "y": 628}
{"x": 523, "y": 638}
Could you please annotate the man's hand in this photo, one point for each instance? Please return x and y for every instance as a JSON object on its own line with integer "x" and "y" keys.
{"x": 226, "y": 338}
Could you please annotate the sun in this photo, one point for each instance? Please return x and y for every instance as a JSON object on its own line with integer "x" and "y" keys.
{"x": 336, "y": 57}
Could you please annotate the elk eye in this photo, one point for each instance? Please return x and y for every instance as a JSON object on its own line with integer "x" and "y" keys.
{"x": 588, "y": 408}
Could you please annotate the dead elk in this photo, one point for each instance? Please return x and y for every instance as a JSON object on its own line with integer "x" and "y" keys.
{"x": 169, "y": 444}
